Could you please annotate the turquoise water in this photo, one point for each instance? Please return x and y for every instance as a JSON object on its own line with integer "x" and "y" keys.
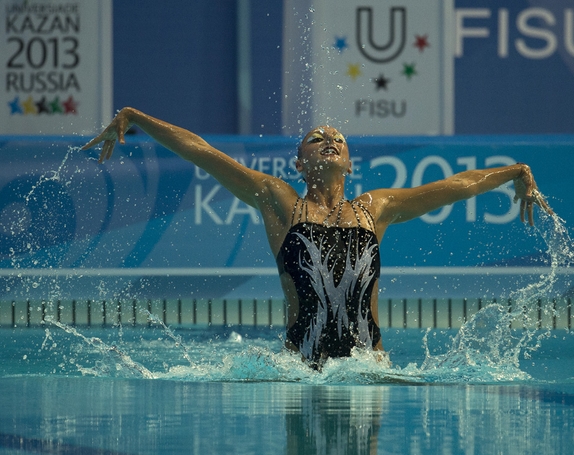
{"x": 485, "y": 388}
{"x": 87, "y": 415}
{"x": 232, "y": 354}
{"x": 227, "y": 390}
{"x": 81, "y": 415}
{"x": 485, "y": 349}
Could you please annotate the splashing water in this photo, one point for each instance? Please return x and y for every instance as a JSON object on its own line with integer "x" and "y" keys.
{"x": 54, "y": 176}
{"x": 487, "y": 345}
{"x": 41, "y": 222}
{"x": 485, "y": 349}
{"x": 113, "y": 362}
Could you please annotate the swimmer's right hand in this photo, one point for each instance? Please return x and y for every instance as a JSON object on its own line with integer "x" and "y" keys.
{"x": 115, "y": 131}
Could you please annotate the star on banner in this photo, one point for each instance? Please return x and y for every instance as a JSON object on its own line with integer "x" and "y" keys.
{"x": 409, "y": 70}
{"x": 56, "y": 106}
{"x": 29, "y": 106}
{"x": 421, "y": 42}
{"x": 340, "y": 43}
{"x": 354, "y": 70}
{"x": 15, "y": 107}
{"x": 381, "y": 82}
{"x": 42, "y": 106}
{"x": 70, "y": 105}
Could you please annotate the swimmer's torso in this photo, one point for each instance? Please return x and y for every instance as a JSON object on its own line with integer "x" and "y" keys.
{"x": 334, "y": 271}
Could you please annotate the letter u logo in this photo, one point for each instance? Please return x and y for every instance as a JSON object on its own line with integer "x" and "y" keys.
{"x": 397, "y": 37}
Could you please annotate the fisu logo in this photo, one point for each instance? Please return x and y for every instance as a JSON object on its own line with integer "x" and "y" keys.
{"x": 382, "y": 67}
{"x": 366, "y": 42}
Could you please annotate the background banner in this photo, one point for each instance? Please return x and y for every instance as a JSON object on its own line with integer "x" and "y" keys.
{"x": 371, "y": 67}
{"x": 148, "y": 224}
{"x": 514, "y": 66}
{"x": 55, "y": 63}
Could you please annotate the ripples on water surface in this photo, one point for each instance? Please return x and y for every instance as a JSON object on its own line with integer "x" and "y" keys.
{"x": 222, "y": 354}
{"x": 484, "y": 350}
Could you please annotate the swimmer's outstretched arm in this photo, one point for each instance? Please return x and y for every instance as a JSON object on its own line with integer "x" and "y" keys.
{"x": 247, "y": 184}
{"x": 405, "y": 204}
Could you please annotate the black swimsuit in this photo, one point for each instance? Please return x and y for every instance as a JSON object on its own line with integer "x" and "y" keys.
{"x": 334, "y": 270}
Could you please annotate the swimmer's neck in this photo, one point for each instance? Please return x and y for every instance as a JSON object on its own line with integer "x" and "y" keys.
{"x": 325, "y": 195}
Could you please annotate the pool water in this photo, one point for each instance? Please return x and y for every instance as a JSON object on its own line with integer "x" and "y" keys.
{"x": 88, "y": 415}
{"x": 486, "y": 388}
{"x": 235, "y": 390}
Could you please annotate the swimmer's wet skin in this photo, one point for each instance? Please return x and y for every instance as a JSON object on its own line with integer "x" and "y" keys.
{"x": 328, "y": 262}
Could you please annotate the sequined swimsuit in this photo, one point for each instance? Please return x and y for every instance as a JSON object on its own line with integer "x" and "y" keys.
{"x": 334, "y": 270}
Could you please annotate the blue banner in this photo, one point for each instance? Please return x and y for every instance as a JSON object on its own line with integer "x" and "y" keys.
{"x": 514, "y": 66}
{"x": 148, "y": 224}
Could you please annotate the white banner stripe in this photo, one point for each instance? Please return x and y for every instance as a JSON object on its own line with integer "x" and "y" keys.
{"x": 271, "y": 271}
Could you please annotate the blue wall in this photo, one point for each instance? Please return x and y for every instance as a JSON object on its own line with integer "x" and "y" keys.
{"x": 177, "y": 60}
{"x": 515, "y": 94}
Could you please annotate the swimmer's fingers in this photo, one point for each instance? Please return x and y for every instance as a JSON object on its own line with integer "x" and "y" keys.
{"x": 527, "y": 206}
{"x": 109, "y": 139}
{"x": 540, "y": 201}
{"x": 93, "y": 142}
{"x": 107, "y": 150}
{"x": 527, "y": 211}
{"x": 522, "y": 210}
{"x": 530, "y": 212}
{"x": 111, "y": 133}
{"x": 528, "y": 194}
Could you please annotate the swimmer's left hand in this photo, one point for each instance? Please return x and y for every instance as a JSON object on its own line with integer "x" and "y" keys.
{"x": 528, "y": 194}
{"x": 115, "y": 131}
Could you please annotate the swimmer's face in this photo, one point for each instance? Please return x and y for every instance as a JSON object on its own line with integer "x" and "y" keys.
{"x": 323, "y": 142}
{"x": 321, "y": 146}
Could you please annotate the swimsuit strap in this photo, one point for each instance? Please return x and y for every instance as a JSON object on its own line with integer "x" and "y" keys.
{"x": 338, "y": 206}
{"x": 302, "y": 207}
{"x": 356, "y": 213}
{"x": 294, "y": 210}
{"x": 301, "y": 203}
{"x": 370, "y": 219}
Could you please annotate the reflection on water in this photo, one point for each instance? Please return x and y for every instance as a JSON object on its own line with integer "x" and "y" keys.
{"x": 324, "y": 420}
{"x": 220, "y": 395}
{"x": 71, "y": 415}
